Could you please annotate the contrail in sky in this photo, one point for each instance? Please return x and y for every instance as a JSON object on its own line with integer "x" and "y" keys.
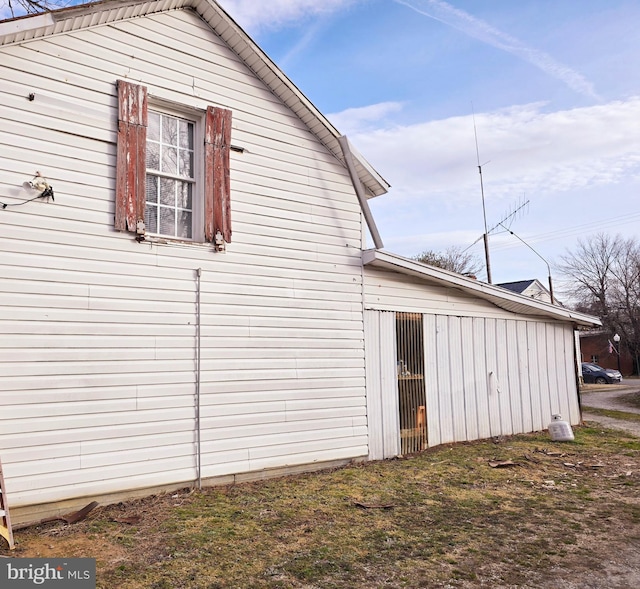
{"x": 483, "y": 31}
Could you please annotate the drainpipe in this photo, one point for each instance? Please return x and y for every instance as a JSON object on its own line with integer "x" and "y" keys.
{"x": 355, "y": 180}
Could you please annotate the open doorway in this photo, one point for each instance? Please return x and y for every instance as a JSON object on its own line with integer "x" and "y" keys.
{"x": 411, "y": 387}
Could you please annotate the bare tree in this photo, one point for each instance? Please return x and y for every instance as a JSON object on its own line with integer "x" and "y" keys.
{"x": 603, "y": 275}
{"x": 19, "y": 7}
{"x": 454, "y": 258}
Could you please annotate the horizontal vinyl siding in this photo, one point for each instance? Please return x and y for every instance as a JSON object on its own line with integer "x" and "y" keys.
{"x": 391, "y": 291}
{"x": 98, "y": 332}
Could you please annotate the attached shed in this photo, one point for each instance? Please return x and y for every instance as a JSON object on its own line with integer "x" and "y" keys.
{"x": 451, "y": 359}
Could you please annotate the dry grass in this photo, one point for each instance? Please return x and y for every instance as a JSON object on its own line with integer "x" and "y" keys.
{"x": 444, "y": 518}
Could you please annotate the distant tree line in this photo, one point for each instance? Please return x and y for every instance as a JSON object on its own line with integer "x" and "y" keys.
{"x": 454, "y": 259}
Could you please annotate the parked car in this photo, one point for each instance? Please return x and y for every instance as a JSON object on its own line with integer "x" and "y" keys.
{"x": 592, "y": 373}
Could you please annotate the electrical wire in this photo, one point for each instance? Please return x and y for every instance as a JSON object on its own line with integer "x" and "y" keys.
{"x": 575, "y": 230}
{"x": 18, "y": 204}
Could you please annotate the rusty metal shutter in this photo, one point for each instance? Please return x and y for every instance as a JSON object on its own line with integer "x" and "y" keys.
{"x": 217, "y": 193}
{"x": 130, "y": 159}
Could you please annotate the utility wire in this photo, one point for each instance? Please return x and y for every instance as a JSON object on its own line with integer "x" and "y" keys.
{"x": 576, "y": 229}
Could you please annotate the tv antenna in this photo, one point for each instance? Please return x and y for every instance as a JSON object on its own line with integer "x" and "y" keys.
{"x": 517, "y": 210}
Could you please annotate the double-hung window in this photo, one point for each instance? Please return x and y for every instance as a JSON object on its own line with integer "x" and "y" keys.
{"x": 170, "y": 176}
{"x": 172, "y": 171}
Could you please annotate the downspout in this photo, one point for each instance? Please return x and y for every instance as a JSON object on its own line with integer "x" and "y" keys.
{"x": 355, "y": 180}
{"x": 197, "y": 399}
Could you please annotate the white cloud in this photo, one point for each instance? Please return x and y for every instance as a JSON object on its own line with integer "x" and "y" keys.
{"x": 523, "y": 151}
{"x": 359, "y": 120}
{"x": 483, "y": 31}
{"x": 254, "y": 15}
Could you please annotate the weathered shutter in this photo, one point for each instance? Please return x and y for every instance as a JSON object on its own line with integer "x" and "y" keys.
{"x": 131, "y": 157}
{"x": 217, "y": 194}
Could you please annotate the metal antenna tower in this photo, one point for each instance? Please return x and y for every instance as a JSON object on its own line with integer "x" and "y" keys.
{"x": 484, "y": 210}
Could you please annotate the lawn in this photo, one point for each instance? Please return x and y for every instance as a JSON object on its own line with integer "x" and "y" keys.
{"x": 512, "y": 512}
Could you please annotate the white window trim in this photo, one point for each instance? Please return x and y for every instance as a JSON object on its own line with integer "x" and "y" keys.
{"x": 197, "y": 117}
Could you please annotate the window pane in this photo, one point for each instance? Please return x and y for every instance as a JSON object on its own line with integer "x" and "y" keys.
{"x": 167, "y": 192}
{"x": 167, "y": 221}
{"x": 153, "y": 126}
{"x": 186, "y": 135}
{"x": 184, "y": 196}
{"x": 152, "y": 188}
{"x": 184, "y": 224}
{"x": 151, "y": 218}
{"x": 169, "y": 130}
{"x": 153, "y": 156}
{"x": 169, "y": 160}
{"x": 186, "y": 163}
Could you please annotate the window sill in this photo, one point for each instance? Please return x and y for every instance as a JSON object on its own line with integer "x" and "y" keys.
{"x": 158, "y": 240}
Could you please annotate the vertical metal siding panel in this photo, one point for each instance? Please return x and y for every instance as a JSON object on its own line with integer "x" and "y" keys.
{"x": 389, "y": 385}
{"x": 552, "y": 367}
{"x": 481, "y": 377}
{"x": 468, "y": 374}
{"x": 492, "y": 376}
{"x": 561, "y": 367}
{"x": 506, "y": 426}
{"x": 515, "y": 389}
{"x": 374, "y": 387}
{"x": 523, "y": 372}
{"x": 457, "y": 380}
{"x": 444, "y": 379}
{"x": 545, "y": 376}
{"x": 535, "y": 376}
{"x": 570, "y": 371}
{"x": 431, "y": 380}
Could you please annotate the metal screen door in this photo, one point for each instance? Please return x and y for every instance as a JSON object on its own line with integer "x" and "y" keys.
{"x": 411, "y": 391}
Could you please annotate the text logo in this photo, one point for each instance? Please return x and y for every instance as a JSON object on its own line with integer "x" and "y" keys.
{"x": 63, "y": 573}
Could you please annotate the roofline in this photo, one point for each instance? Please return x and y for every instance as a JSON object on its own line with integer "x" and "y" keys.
{"x": 37, "y": 26}
{"x": 496, "y": 295}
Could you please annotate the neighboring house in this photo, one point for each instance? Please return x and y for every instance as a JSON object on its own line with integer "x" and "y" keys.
{"x": 198, "y": 305}
{"x": 529, "y": 288}
{"x": 598, "y": 346}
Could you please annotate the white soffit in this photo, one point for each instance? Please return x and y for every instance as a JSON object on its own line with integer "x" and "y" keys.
{"x": 74, "y": 18}
{"x": 496, "y": 295}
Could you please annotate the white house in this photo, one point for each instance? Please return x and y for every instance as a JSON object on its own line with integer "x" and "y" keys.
{"x": 529, "y": 288}
{"x": 193, "y": 306}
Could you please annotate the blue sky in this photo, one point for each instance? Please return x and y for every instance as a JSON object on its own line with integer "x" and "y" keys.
{"x": 551, "y": 86}
{"x": 555, "y": 88}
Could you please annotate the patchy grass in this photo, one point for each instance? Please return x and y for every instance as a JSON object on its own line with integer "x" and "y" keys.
{"x": 443, "y": 518}
{"x": 615, "y": 414}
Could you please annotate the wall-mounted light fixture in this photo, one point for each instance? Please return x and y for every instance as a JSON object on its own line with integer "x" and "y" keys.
{"x": 40, "y": 183}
